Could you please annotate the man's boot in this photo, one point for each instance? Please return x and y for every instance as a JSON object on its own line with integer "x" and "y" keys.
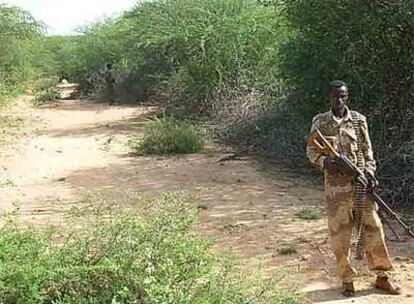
{"x": 383, "y": 283}
{"x": 348, "y": 289}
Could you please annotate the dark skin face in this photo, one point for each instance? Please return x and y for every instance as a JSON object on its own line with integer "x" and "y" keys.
{"x": 338, "y": 98}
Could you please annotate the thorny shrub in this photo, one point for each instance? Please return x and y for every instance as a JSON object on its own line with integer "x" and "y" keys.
{"x": 105, "y": 254}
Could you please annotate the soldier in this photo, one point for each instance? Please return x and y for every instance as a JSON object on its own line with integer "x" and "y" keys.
{"x": 110, "y": 82}
{"x": 339, "y": 127}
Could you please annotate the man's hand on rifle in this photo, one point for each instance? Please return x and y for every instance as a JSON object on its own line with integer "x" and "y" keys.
{"x": 372, "y": 180}
{"x": 331, "y": 166}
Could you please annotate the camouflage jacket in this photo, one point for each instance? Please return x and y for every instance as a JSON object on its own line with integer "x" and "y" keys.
{"x": 108, "y": 76}
{"x": 342, "y": 135}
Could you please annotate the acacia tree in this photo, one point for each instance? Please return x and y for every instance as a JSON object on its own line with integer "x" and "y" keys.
{"x": 17, "y": 30}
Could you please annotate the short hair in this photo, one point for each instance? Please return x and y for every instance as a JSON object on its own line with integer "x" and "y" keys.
{"x": 336, "y": 84}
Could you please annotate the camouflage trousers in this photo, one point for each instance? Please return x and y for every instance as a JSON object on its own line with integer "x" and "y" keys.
{"x": 339, "y": 195}
{"x": 110, "y": 92}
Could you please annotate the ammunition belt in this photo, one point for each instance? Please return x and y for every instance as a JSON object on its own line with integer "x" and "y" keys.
{"x": 360, "y": 194}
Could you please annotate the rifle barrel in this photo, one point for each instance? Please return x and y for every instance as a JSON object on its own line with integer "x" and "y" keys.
{"x": 392, "y": 213}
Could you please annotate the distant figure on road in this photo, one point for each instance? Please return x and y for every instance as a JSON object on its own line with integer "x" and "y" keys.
{"x": 109, "y": 83}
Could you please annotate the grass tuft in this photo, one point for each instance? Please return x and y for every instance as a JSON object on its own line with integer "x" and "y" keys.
{"x": 309, "y": 214}
{"x": 167, "y": 135}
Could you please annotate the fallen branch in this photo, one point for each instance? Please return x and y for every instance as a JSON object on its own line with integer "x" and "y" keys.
{"x": 237, "y": 154}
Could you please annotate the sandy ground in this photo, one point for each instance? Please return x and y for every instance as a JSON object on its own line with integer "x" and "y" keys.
{"x": 73, "y": 148}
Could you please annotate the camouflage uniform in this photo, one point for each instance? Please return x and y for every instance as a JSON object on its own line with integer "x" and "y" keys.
{"x": 340, "y": 191}
{"x": 109, "y": 85}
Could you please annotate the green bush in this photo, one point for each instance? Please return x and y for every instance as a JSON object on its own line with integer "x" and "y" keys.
{"x": 225, "y": 44}
{"x": 45, "y": 96}
{"x": 168, "y": 135}
{"x": 111, "y": 255}
{"x": 18, "y": 30}
{"x": 27, "y": 57}
{"x": 309, "y": 214}
{"x": 7, "y": 92}
{"x": 44, "y": 84}
{"x": 46, "y": 90}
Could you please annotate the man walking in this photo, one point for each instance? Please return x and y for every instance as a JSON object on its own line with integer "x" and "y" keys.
{"x": 109, "y": 83}
{"x": 347, "y": 132}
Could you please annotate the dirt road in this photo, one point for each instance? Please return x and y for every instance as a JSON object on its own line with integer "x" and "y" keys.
{"x": 248, "y": 205}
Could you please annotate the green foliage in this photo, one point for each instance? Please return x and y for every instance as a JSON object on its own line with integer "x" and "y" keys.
{"x": 18, "y": 30}
{"x": 309, "y": 214}
{"x": 58, "y": 55}
{"x": 45, "y": 96}
{"x": 111, "y": 255}
{"x": 26, "y": 55}
{"x": 44, "y": 84}
{"x": 369, "y": 44}
{"x": 168, "y": 135}
{"x": 46, "y": 90}
{"x": 189, "y": 49}
{"x": 8, "y": 91}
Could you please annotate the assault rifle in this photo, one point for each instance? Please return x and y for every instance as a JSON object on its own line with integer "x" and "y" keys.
{"x": 316, "y": 138}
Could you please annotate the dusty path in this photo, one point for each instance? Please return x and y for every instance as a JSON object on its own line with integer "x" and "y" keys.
{"x": 249, "y": 206}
